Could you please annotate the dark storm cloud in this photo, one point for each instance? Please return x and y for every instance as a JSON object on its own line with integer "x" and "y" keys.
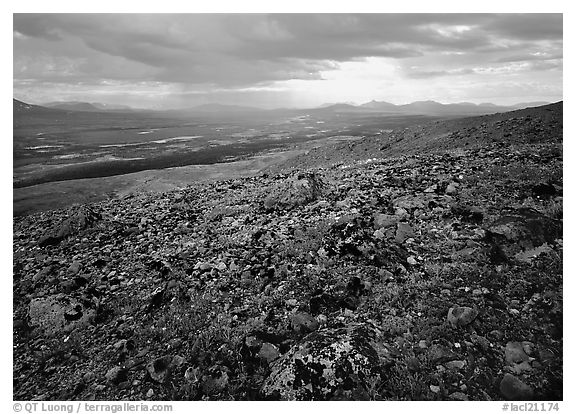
{"x": 252, "y": 49}
{"x": 527, "y": 26}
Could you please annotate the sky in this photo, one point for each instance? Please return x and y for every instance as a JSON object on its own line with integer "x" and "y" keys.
{"x": 165, "y": 61}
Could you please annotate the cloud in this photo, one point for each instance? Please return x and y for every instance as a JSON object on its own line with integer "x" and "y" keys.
{"x": 423, "y": 74}
{"x": 243, "y": 50}
{"x": 535, "y": 56}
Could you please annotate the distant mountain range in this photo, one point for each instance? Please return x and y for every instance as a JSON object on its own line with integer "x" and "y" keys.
{"x": 216, "y": 107}
{"x": 414, "y": 108}
{"x": 86, "y": 107}
{"x": 23, "y": 107}
{"x": 428, "y": 108}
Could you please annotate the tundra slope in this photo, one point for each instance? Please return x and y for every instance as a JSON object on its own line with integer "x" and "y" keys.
{"x": 433, "y": 273}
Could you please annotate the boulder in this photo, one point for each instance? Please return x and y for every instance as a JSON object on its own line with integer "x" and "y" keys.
{"x": 268, "y": 352}
{"x": 451, "y": 188}
{"x": 459, "y": 316}
{"x": 403, "y": 232}
{"x": 79, "y": 219}
{"x": 515, "y": 389}
{"x": 74, "y": 268}
{"x": 383, "y": 221}
{"x": 303, "y": 322}
{"x": 116, "y": 375}
{"x": 515, "y": 353}
{"x": 161, "y": 368}
{"x": 58, "y": 313}
{"x": 297, "y": 190}
{"x": 522, "y": 229}
{"x": 332, "y": 364}
{"x": 438, "y": 354}
{"x": 215, "y": 380}
{"x": 545, "y": 191}
{"x": 517, "y": 358}
{"x": 468, "y": 213}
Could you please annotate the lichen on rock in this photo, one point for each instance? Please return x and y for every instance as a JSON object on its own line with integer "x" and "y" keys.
{"x": 298, "y": 189}
{"x": 340, "y": 363}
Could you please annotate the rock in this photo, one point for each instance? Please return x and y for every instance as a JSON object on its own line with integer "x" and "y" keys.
{"x": 451, "y": 188}
{"x": 521, "y": 367}
{"x": 175, "y": 343}
{"x": 132, "y": 230}
{"x": 88, "y": 377}
{"x": 253, "y": 342}
{"x": 435, "y": 389}
{"x": 481, "y": 342}
{"x": 160, "y": 368}
{"x": 496, "y": 335}
{"x": 523, "y": 229}
{"x": 221, "y": 266}
{"x": 150, "y": 393}
{"x": 477, "y": 292}
{"x": 344, "y": 363}
{"x": 20, "y": 325}
{"x": 268, "y": 352}
{"x": 412, "y": 261}
{"x": 204, "y": 266}
{"x": 413, "y": 364}
{"x": 303, "y": 322}
{"x": 458, "y": 396}
{"x": 42, "y": 274}
{"x": 58, "y": 313}
{"x": 517, "y": 358}
{"x": 291, "y": 303}
{"x": 322, "y": 319}
{"x": 215, "y": 380}
{"x": 529, "y": 255}
{"x": 410, "y": 202}
{"x": 192, "y": 374}
{"x": 383, "y": 221}
{"x": 355, "y": 287}
{"x": 467, "y": 213}
{"x": 546, "y": 356}
{"x": 439, "y": 353}
{"x": 379, "y": 234}
{"x": 534, "y": 300}
{"x": 544, "y": 191}
{"x": 177, "y": 360}
{"x": 403, "y": 232}
{"x": 459, "y": 316}
{"x": 119, "y": 345}
{"x": 514, "y": 389}
{"x": 536, "y": 365}
{"x": 385, "y": 275}
{"x": 456, "y": 365}
{"x": 401, "y": 213}
{"x": 116, "y": 375}
{"x": 528, "y": 347}
{"x": 79, "y": 219}
{"x": 298, "y": 190}
{"x": 68, "y": 286}
{"x": 515, "y": 353}
{"x": 74, "y": 267}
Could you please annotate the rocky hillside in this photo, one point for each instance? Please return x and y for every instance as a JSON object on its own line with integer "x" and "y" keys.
{"x": 525, "y": 126}
{"x": 430, "y": 275}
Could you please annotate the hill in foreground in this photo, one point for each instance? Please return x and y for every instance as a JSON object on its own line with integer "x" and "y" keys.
{"x": 430, "y": 275}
